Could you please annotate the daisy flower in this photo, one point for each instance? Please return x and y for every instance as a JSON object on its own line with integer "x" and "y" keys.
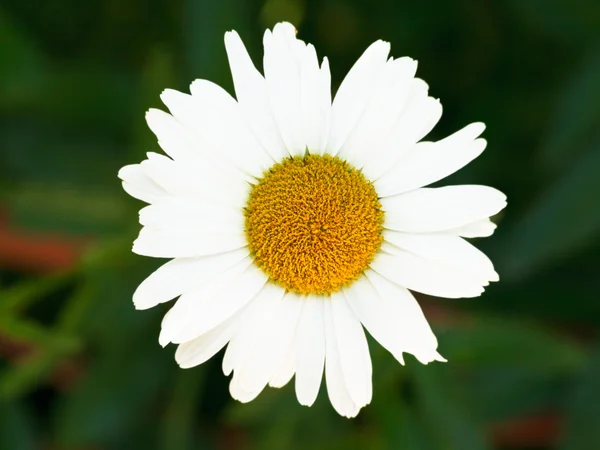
{"x": 292, "y": 221}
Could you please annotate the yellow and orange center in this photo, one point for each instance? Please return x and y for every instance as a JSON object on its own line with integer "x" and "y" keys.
{"x": 313, "y": 223}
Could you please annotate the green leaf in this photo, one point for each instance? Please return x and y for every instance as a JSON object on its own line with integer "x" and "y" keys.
{"x": 583, "y": 410}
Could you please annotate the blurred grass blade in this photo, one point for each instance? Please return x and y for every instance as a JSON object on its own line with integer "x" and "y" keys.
{"x": 577, "y": 118}
{"x": 158, "y": 74}
{"x": 398, "y": 424}
{"x": 16, "y": 427}
{"x": 23, "y": 331}
{"x": 574, "y": 22}
{"x": 47, "y": 349}
{"x": 178, "y": 424}
{"x": 504, "y": 342}
{"x": 564, "y": 219}
{"x": 205, "y": 24}
{"x": 445, "y": 418}
{"x": 105, "y": 406}
{"x": 583, "y": 410}
{"x": 18, "y": 298}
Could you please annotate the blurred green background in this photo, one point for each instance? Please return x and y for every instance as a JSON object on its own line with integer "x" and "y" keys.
{"x": 80, "y": 369}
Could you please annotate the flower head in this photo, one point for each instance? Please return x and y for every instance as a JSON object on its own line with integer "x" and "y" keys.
{"x": 293, "y": 221}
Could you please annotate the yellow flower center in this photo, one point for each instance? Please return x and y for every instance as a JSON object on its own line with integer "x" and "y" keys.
{"x": 313, "y": 223}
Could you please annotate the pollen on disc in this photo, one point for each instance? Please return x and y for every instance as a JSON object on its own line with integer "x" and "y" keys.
{"x": 313, "y": 223}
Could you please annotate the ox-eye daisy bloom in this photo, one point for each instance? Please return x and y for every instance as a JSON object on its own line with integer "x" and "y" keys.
{"x": 293, "y": 221}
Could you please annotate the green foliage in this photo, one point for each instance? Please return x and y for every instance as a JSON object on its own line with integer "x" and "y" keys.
{"x": 80, "y": 368}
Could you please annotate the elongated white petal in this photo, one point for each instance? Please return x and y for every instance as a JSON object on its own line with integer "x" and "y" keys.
{"x": 428, "y": 162}
{"x": 479, "y": 228}
{"x": 201, "y": 349}
{"x": 421, "y": 275}
{"x": 416, "y": 120}
{"x": 271, "y": 347}
{"x": 186, "y": 243}
{"x": 184, "y": 146}
{"x": 197, "y": 179}
{"x": 388, "y": 99}
{"x": 338, "y": 393}
{"x": 299, "y": 90}
{"x": 310, "y": 355}
{"x": 282, "y": 75}
{"x": 195, "y": 215}
{"x": 447, "y": 250}
{"x": 137, "y": 184}
{"x": 315, "y": 101}
{"x": 181, "y": 275}
{"x": 204, "y": 308}
{"x": 286, "y": 368}
{"x": 438, "y": 209}
{"x": 354, "y": 94}
{"x": 251, "y": 93}
{"x": 253, "y": 323}
{"x": 391, "y": 315}
{"x": 214, "y": 118}
{"x": 355, "y": 360}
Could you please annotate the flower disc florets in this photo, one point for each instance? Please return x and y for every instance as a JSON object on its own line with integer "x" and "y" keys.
{"x": 314, "y": 223}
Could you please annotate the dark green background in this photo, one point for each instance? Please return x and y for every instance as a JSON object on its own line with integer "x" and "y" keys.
{"x": 75, "y": 80}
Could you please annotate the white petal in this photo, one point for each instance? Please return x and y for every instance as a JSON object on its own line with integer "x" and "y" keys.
{"x": 201, "y": 349}
{"x": 251, "y": 93}
{"x": 391, "y": 315}
{"x": 197, "y": 179}
{"x": 338, "y": 393}
{"x": 283, "y": 77}
{"x": 315, "y": 101}
{"x": 239, "y": 393}
{"x": 354, "y": 94}
{"x": 271, "y": 347}
{"x": 438, "y": 209}
{"x": 186, "y": 243}
{"x": 447, "y": 250}
{"x": 214, "y": 117}
{"x": 185, "y": 146}
{"x": 137, "y": 184}
{"x": 181, "y": 275}
{"x": 421, "y": 275}
{"x": 416, "y": 120}
{"x": 194, "y": 215}
{"x": 480, "y": 228}
{"x": 253, "y": 323}
{"x": 428, "y": 162}
{"x": 287, "y": 368}
{"x": 355, "y": 360}
{"x": 387, "y": 101}
{"x": 206, "y": 307}
{"x": 310, "y": 356}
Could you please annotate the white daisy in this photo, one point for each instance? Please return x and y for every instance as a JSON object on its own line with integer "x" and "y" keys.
{"x": 293, "y": 221}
